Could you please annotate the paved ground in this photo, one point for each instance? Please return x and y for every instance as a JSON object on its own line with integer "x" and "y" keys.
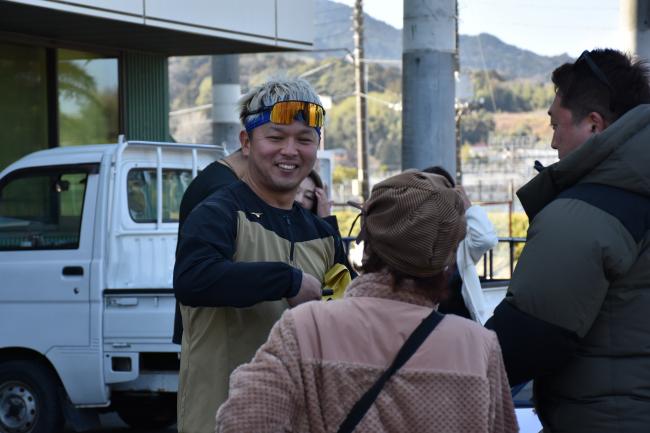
{"x": 528, "y": 422}
{"x": 111, "y": 423}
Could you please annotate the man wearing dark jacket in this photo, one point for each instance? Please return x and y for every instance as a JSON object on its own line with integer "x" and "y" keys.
{"x": 212, "y": 178}
{"x": 576, "y": 317}
{"x": 248, "y": 251}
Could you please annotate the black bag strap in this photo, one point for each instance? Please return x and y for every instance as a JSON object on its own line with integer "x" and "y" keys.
{"x": 407, "y": 350}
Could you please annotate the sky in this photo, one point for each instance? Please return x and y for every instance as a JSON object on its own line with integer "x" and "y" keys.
{"x": 548, "y": 27}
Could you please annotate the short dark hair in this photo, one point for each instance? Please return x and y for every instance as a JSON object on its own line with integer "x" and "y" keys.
{"x": 435, "y": 287}
{"x": 436, "y": 169}
{"x": 605, "y": 81}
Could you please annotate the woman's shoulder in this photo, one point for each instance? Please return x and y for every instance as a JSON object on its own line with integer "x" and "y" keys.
{"x": 468, "y": 330}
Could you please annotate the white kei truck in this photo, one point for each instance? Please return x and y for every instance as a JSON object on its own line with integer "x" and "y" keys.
{"x": 87, "y": 243}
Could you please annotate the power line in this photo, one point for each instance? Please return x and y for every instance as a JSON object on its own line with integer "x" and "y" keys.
{"x": 347, "y": 32}
{"x": 487, "y": 75}
{"x": 546, "y": 4}
{"x": 395, "y": 106}
{"x": 361, "y": 113}
{"x": 571, "y": 26}
{"x": 329, "y": 11}
{"x": 322, "y": 23}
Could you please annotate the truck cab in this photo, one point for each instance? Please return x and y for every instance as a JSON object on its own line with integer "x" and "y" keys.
{"x": 87, "y": 242}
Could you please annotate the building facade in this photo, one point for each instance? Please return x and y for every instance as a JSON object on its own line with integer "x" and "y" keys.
{"x": 85, "y": 71}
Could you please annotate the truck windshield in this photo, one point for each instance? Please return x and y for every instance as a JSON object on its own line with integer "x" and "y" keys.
{"x": 42, "y": 210}
{"x": 141, "y": 193}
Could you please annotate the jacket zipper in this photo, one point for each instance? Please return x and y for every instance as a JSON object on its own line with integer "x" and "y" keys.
{"x": 286, "y": 217}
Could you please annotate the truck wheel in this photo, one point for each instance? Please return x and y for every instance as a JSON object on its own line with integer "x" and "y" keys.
{"x": 29, "y": 398}
{"x": 147, "y": 412}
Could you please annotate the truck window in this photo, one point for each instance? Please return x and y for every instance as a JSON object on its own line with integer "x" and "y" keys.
{"x": 141, "y": 193}
{"x": 42, "y": 210}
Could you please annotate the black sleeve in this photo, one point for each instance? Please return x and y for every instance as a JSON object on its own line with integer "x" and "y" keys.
{"x": 205, "y": 274}
{"x": 531, "y": 347}
{"x": 209, "y": 180}
{"x": 177, "y": 336}
{"x": 341, "y": 251}
{"x": 214, "y": 177}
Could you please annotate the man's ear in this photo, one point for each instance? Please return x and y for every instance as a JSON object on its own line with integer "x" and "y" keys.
{"x": 245, "y": 142}
{"x": 597, "y": 122}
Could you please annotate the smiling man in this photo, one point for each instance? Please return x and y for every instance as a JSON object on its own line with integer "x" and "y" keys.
{"x": 575, "y": 318}
{"x": 248, "y": 251}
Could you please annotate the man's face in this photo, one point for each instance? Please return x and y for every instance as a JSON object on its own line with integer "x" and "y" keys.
{"x": 567, "y": 134}
{"x": 280, "y": 156}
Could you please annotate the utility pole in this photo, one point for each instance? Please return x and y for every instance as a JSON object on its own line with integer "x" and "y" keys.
{"x": 225, "y": 94}
{"x": 635, "y": 23}
{"x": 360, "y": 92}
{"x": 428, "y": 118}
{"x": 458, "y": 106}
{"x": 460, "y": 109}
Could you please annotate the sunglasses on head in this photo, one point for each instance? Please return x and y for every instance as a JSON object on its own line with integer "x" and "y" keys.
{"x": 285, "y": 112}
{"x": 598, "y": 73}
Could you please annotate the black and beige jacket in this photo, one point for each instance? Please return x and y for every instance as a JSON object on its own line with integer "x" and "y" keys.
{"x": 237, "y": 262}
{"x": 576, "y": 318}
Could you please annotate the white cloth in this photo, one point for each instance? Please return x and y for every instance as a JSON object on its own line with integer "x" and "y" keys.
{"x": 479, "y": 239}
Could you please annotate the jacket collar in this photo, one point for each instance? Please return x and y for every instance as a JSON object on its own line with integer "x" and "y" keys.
{"x": 381, "y": 285}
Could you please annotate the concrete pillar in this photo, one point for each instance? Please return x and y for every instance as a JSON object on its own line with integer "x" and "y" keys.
{"x": 428, "y": 118}
{"x": 360, "y": 92}
{"x": 635, "y": 26}
{"x": 225, "y": 94}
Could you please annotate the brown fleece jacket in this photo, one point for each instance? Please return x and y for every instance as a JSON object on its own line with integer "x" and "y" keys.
{"x": 321, "y": 357}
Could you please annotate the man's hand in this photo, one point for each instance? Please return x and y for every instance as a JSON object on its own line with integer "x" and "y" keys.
{"x": 310, "y": 290}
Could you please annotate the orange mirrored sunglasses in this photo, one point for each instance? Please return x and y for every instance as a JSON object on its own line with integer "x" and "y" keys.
{"x": 285, "y": 112}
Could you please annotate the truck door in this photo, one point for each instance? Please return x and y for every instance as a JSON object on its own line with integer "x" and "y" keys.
{"x": 46, "y": 235}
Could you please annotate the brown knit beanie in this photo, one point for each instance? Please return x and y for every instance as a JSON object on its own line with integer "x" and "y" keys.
{"x": 414, "y": 221}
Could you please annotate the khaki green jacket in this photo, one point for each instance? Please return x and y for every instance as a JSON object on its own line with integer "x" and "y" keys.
{"x": 583, "y": 271}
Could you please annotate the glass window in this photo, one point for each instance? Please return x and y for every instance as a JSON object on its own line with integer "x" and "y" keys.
{"x": 42, "y": 210}
{"x": 88, "y": 98}
{"x": 141, "y": 193}
{"x": 88, "y": 102}
{"x": 23, "y": 105}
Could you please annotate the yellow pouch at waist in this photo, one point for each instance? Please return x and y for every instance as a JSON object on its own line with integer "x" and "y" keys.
{"x": 336, "y": 279}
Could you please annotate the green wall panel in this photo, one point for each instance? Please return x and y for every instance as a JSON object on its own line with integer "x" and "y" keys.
{"x": 146, "y": 97}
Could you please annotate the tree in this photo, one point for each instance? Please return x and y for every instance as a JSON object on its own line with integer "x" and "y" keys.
{"x": 511, "y": 96}
{"x": 476, "y": 126}
{"x": 384, "y": 127}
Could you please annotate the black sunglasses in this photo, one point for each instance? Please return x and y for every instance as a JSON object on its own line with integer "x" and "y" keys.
{"x": 599, "y": 74}
{"x": 595, "y": 69}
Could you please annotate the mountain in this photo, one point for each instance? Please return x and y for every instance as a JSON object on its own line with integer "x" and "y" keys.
{"x": 509, "y": 61}
{"x": 333, "y": 29}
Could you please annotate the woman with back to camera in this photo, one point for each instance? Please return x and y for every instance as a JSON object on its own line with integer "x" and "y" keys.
{"x": 465, "y": 296}
{"x": 381, "y": 359}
